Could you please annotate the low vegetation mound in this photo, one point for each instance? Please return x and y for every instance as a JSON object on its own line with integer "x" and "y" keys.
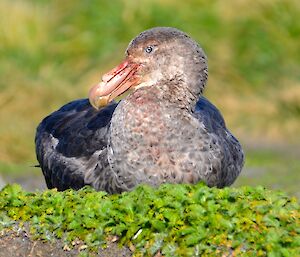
{"x": 173, "y": 220}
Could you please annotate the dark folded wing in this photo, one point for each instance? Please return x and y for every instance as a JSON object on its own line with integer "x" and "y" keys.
{"x": 71, "y": 141}
{"x": 231, "y": 153}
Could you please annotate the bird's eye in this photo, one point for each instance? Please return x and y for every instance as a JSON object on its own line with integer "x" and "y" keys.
{"x": 149, "y": 49}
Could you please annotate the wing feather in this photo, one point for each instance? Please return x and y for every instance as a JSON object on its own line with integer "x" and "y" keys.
{"x": 67, "y": 140}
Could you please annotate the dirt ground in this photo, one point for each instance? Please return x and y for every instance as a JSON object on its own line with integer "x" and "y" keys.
{"x": 17, "y": 243}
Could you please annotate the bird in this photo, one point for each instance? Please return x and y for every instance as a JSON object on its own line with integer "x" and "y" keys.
{"x": 162, "y": 131}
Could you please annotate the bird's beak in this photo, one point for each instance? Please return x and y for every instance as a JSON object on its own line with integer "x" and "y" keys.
{"x": 114, "y": 83}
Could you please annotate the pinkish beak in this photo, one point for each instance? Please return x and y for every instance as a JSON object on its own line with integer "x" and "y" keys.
{"x": 114, "y": 83}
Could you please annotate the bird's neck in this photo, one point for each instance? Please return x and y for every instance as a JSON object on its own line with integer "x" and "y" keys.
{"x": 177, "y": 96}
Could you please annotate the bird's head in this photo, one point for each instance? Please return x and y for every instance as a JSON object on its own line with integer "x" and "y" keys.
{"x": 157, "y": 54}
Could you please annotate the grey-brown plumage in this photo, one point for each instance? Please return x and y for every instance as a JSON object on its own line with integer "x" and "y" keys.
{"x": 163, "y": 131}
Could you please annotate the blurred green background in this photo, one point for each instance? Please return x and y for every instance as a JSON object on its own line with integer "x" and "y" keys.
{"x": 51, "y": 52}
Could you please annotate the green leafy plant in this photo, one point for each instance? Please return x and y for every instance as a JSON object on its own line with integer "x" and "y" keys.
{"x": 177, "y": 220}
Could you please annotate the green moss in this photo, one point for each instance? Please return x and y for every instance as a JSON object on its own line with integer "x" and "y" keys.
{"x": 178, "y": 220}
